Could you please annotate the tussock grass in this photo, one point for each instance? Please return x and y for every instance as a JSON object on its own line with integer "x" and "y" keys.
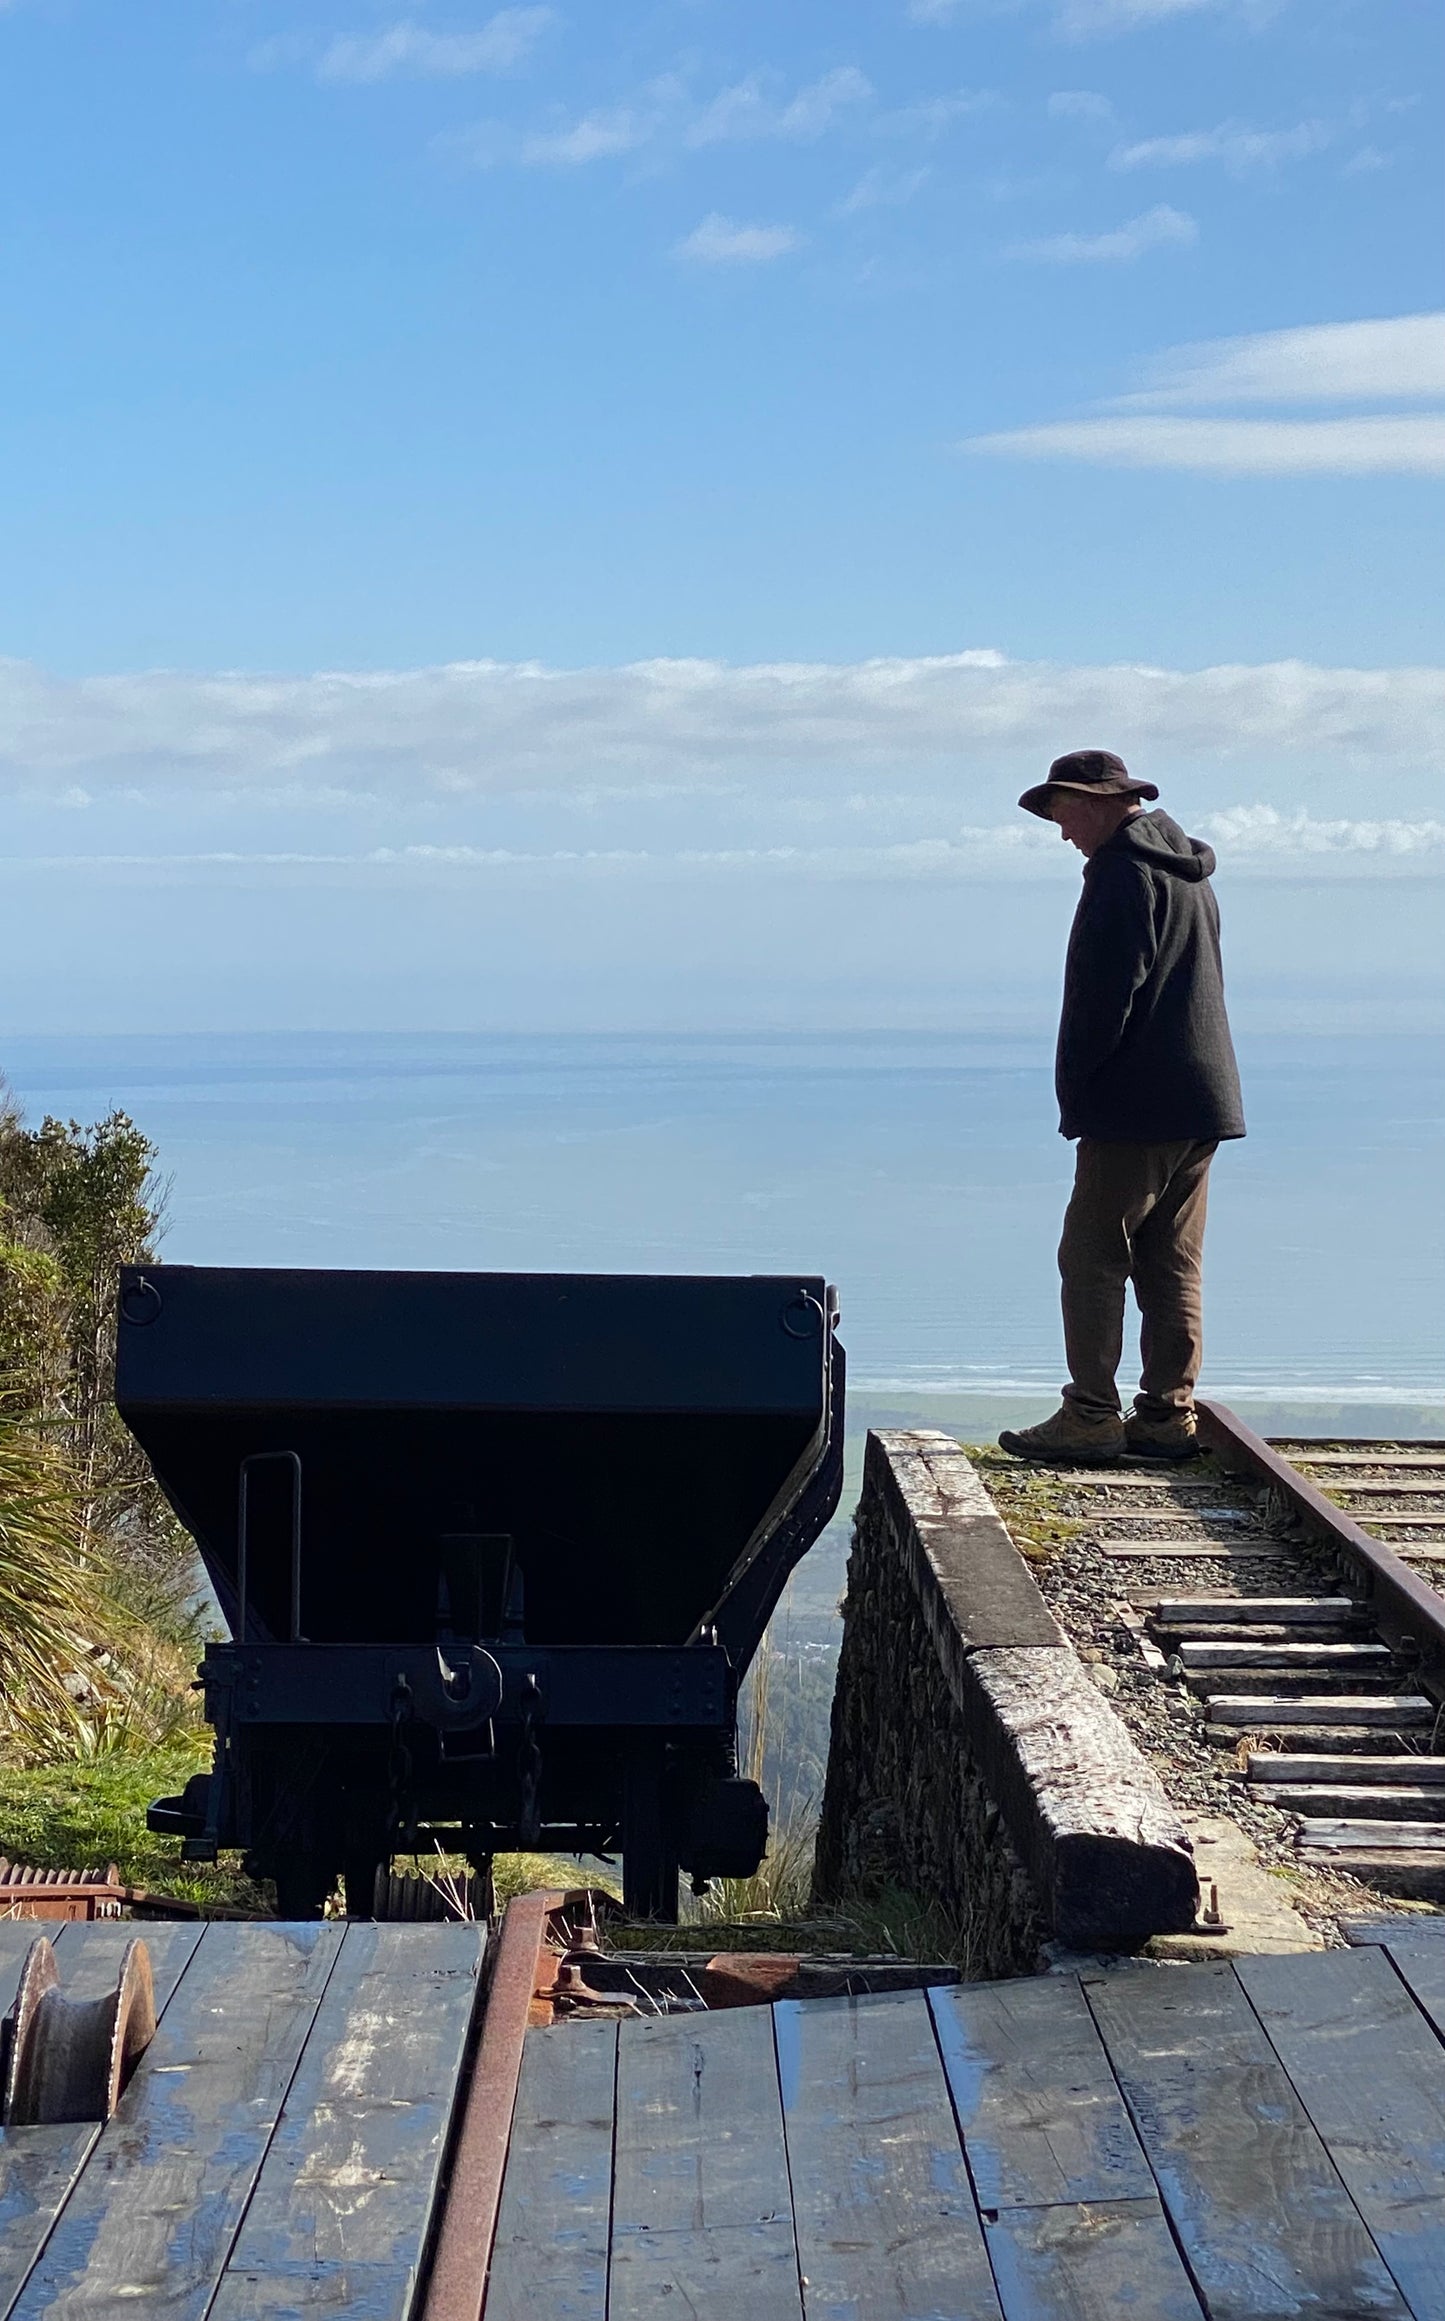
{"x": 50, "y": 1604}
{"x": 80, "y": 1677}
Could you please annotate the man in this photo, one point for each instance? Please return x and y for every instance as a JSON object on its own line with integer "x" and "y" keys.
{"x": 1147, "y": 1083}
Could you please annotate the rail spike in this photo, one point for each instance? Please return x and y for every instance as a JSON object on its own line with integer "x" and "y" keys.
{"x": 69, "y": 2059}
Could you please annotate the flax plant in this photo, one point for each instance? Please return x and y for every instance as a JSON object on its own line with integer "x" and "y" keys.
{"x": 50, "y": 1612}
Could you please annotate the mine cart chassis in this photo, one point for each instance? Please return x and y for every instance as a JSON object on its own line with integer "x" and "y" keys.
{"x": 495, "y": 1552}
{"x": 421, "y": 1749}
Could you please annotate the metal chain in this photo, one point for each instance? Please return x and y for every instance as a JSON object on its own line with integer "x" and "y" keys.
{"x": 399, "y": 1761}
{"x": 529, "y": 1765}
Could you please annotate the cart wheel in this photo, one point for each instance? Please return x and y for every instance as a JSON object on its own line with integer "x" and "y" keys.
{"x": 649, "y": 1859}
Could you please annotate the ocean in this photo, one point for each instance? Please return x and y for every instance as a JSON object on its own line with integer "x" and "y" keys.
{"x": 921, "y": 1173}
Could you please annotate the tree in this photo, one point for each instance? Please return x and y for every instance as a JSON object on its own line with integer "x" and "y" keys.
{"x": 76, "y": 1204}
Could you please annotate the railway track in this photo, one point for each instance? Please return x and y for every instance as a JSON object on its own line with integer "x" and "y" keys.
{"x": 1291, "y": 1587}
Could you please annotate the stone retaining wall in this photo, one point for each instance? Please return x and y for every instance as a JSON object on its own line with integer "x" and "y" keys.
{"x": 973, "y": 1763}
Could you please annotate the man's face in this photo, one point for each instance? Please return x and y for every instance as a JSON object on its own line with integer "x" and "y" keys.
{"x": 1087, "y": 822}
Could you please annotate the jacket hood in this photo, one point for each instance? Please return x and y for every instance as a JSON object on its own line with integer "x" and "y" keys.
{"x": 1158, "y": 840}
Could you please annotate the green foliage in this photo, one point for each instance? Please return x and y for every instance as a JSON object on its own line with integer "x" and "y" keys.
{"x": 88, "y": 1199}
{"x": 98, "y": 1620}
{"x": 75, "y": 1205}
{"x": 34, "y": 1349}
{"x": 71, "y": 1815}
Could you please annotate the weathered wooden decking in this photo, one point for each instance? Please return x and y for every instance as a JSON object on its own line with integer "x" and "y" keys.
{"x": 278, "y": 2149}
{"x": 1252, "y": 2141}
{"x": 1260, "y": 2140}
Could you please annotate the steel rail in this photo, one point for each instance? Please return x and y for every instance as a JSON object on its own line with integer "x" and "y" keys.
{"x": 1407, "y": 1610}
{"x": 457, "y": 2285}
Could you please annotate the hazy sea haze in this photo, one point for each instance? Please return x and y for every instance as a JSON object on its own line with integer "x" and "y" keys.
{"x": 921, "y": 1172}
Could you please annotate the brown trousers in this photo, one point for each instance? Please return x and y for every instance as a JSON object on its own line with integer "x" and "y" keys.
{"x": 1137, "y": 1214}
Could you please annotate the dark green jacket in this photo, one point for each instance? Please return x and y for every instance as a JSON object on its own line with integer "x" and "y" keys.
{"x": 1145, "y": 1055}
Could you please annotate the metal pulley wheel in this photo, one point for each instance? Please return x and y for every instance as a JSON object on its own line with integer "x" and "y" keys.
{"x": 70, "y": 2059}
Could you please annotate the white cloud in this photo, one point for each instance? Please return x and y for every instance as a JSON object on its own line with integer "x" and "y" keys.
{"x": 1079, "y": 105}
{"x": 1262, "y": 833}
{"x": 1402, "y": 355}
{"x": 1096, "y": 19}
{"x": 664, "y": 111}
{"x": 933, "y": 117}
{"x": 1407, "y": 444}
{"x": 1089, "y": 19}
{"x": 596, "y": 137}
{"x": 721, "y": 241}
{"x": 1367, "y": 162}
{"x": 1237, "y": 148}
{"x": 881, "y": 189}
{"x": 491, "y": 729}
{"x": 502, "y": 42}
{"x": 752, "y": 108}
{"x": 1255, "y": 841}
{"x": 1161, "y": 228}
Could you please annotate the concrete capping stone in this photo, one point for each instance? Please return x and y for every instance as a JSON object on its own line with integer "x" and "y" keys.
{"x": 1108, "y": 1858}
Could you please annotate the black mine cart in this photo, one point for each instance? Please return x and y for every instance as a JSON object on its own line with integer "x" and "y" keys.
{"x": 494, "y": 1549}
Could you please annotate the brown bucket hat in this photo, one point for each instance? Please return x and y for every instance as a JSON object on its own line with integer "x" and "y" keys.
{"x": 1097, "y": 773}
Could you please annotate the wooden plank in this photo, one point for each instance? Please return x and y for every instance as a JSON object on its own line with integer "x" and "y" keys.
{"x": 702, "y": 2217}
{"x": 1394, "y": 1712}
{"x": 1089, "y": 2262}
{"x": 1195, "y": 1550}
{"x": 1398, "y": 1519}
{"x": 89, "y": 1955}
{"x": 1323, "y": 1830}
{"x": 16, "y": 1936}
{"x": 1369, "y": 1488}
{"x": 1417, "y": 1952}
{"x": 886, "y": 2223}
{"x": 1136, "y": 1514}
{"x": 550, "y": 2254}
{"x": 342, "y": 2205}
{"x": 1351, "y": 2038}
{"x": 1380, "y": 1455}
{"x": 1426, "y": 1925}
{"x": 1039, "y": 2107}
{"x": 1279, "y": 1611}
{"x": 1266, "y": 2226}
{"x": 39, "y": 2166}
{"x": 1395, "y": 1870}
{"x": 1071, "y": 2216}
{"x": 1363, "y": 1659}
{"x": 1259, "y": 1631}
{"x": 1153, "y": 1478}
{"x": 157, "y": 2207}
{"x": 1317, "y": 1798}
{"x": 1108, "y": 1857}
{"x": 1289, "y": 1765}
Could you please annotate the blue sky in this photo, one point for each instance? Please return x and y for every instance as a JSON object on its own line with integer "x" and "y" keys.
{"x": 564, "y": 513}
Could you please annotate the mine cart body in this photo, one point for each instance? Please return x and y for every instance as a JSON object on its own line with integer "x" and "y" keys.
{"x": 494, "y": 1551}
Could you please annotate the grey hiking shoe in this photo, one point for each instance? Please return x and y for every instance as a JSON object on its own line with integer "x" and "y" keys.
{"x": 1067, "y": 1440}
